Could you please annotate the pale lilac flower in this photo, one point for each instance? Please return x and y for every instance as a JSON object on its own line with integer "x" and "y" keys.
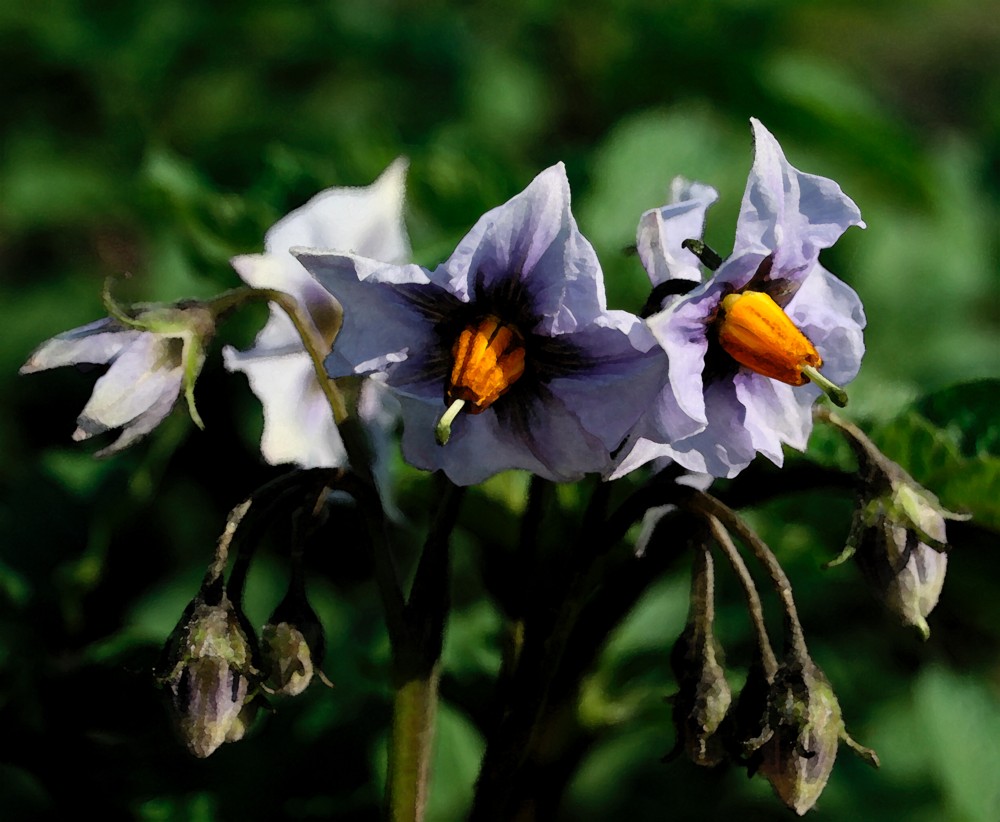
{"x": 298, "y": 423}
{"x": 713, "y": 414}
{"x": 571, "y": 377}
{"x": 150, "y": 363}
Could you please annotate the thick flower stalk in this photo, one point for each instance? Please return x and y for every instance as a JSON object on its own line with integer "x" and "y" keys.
{"x": 153, "y": 352}
{"x": 751, "y": 348}
{"x": 298, "y": 425}
{"x": 506, "y": 355}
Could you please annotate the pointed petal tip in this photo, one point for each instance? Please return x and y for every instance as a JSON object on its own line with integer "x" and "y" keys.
{"x": 395, "y": 172}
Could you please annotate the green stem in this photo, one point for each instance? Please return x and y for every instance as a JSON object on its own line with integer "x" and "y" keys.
{"x": 870, "y": 459}
{"x": 413, "y": 711}
{"x": 416, "y": 667}
{"x": 311, "y": 340}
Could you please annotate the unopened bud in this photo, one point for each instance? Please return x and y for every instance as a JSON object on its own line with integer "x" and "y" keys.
{"x": 287, "y": 657}
{"x": 210, "y": 676}
{"x": 704, "y": 696}
{"x": 292, "y": 644}
{"x": 897, "y": 534}
{"x": 906, "y": 573}
{"x": 806, "y": 727}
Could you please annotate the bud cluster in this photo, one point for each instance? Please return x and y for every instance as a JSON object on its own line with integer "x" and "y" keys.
{"x": 786, "y": 723}
{"x": 216, "y": 669}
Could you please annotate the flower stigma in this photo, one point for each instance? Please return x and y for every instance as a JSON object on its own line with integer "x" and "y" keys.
{"x": 487, "y": 359}
{"x": 756, "y": 333}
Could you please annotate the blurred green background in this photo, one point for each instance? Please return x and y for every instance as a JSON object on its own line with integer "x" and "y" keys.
{"x": 160, "y": 138}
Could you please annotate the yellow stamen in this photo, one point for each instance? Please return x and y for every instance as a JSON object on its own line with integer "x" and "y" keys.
{"x": 756, "y": 333}
{"x": 488, "y": 358}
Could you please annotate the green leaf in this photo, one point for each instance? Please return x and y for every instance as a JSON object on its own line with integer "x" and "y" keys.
{"x": 972, "y": 486}
{"x": 925, "y": 450}
{"x": 970, "y": 413}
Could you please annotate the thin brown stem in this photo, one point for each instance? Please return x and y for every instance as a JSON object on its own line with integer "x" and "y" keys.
{"x": 707, "y": 505}
{"x": 754, "y": 607}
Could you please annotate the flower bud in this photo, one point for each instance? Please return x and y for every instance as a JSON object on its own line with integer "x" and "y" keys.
{"x": 287, "y": 658}
{"x": 292, "y": 644}
{"x": 806, "y": 727}
{"x": 904, "y": 571}
{"x": 704, "y": 696}
{"x": 749, "y": 718}
{"x": 211, "y": 674}
{"x": 897, "y": 534}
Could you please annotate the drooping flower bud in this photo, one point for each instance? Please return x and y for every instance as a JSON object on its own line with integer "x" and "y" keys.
{"x": 805, "y": 729}
{"x": 211, "y": 672}
{"x": 292, "y": 643}
{"x": 905, "y": 572}
{"x": 292, "y": 654}
{"x": 704, "y": 696}
{"x": 898, "y": 533}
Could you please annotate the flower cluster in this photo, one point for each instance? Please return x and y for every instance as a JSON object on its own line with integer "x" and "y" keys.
{"x": 506, "y": 355}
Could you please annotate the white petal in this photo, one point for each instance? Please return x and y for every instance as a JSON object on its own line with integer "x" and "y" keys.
{"x": 97, "y": 342}
{"x": 365, "y": 221}
{"x": 662, "y": 231}
{"x": 298, "y": 422}
{"x": 144, "y": 376}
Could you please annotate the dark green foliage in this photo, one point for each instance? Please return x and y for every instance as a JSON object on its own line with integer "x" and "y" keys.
{"x": 160, "y": 138}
